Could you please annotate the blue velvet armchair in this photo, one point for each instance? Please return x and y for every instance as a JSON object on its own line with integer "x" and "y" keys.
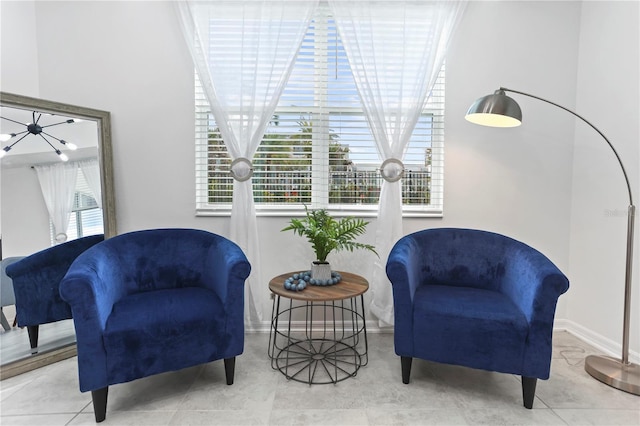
{"x": 36, "y": 283}
{"x": 476, "y": 299}
{"x": 153, "y": 301}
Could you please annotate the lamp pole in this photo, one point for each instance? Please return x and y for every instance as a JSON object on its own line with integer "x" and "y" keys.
{"x": 621, "y": 374}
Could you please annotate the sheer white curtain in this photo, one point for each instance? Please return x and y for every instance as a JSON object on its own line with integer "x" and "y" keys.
{"x": 91, "y": 171}
{"x": 244, "y": 52}
{"x": 58, "y": 185}
{"x": 395, "y": 50}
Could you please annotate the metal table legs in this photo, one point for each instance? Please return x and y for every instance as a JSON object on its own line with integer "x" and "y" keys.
{"x": 330, "y": 346}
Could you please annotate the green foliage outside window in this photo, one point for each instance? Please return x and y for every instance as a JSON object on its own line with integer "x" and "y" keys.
{"x": 282, "y": 172}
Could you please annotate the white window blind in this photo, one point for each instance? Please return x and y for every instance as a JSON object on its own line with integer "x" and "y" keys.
{"x": 317, "y": 149}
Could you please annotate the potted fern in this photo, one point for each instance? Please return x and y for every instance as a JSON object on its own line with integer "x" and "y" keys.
{"x": 326, "y": 235}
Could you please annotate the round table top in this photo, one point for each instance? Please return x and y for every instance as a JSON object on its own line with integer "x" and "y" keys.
{"x": 351, "y": 285}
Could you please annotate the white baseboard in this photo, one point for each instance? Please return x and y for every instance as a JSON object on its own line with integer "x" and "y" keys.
{"x": 300, "y": 326}
{"x": 601, "y": 343}
{"x": 596, "y": 340}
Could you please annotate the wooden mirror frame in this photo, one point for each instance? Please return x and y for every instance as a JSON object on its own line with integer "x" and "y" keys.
{"x": 105, "y": 160}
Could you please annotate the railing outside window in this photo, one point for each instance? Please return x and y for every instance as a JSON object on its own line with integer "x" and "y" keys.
{"x": 346, "y": 187}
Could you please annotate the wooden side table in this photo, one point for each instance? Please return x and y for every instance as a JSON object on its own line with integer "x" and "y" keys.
{"x": 331, "y": 344}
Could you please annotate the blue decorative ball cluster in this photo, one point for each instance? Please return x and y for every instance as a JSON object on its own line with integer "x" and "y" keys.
{"x": 298, "y": 282}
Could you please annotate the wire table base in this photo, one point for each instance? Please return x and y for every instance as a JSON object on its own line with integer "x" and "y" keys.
{"x": 319, "y": 337}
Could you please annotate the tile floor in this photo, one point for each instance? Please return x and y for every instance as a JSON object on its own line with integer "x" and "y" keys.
{"x": 437, "y": 394}
{"x": 15, "y": 341}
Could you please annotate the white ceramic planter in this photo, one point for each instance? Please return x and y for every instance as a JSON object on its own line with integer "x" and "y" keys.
{"x": 320, "y": 270}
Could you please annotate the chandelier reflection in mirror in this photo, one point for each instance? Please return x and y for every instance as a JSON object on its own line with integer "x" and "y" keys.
{"x": 34, "y": 128}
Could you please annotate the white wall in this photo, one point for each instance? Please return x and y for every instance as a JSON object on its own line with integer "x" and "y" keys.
{"x": 18, "y": 63}
{"x": 609, "y": 96}
{"x": 24, "y": 214}
{"x": 513, "y": 181}
{"x": 19, "y": 59}
{"x": 129, "y": 58}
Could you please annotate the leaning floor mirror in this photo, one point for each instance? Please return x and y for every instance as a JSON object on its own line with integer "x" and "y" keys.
{"x": 37, "y": 136}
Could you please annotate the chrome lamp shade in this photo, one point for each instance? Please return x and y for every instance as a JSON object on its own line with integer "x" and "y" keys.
{"x": 496, "y": 110}
{"x": 499, "y": 110}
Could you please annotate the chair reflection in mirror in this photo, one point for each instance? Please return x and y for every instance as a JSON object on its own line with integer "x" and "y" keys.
{"x": 36, "y": 282}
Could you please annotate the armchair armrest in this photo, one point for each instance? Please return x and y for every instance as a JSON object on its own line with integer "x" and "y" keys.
{"x": 534, "y": 284}
{"x": 403, "y": 270}
{"x": 226, "y": 271}
{"x": 227, "y": 279}
{"x": 91, "y": 287}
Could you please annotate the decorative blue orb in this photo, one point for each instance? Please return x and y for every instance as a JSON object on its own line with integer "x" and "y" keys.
{"x": 300, "y": 280}
{"x": 335, "y": 278}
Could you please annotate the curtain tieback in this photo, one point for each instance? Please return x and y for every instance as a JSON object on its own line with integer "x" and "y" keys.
{"x": 392, "y": 170}
{"x": 241, "y": 169}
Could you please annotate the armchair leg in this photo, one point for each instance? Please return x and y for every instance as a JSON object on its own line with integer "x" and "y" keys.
{"x": 32, "y": 330}
{"x": 528, "y": 390}
{"x": 405, "y": 361}
{"x": 229, "y": 369}
{"x": 99, "y": 398}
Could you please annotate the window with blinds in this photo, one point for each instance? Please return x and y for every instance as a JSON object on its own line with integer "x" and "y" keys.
{"x": 86, "y": 217}
{"x": 318, "y": 150}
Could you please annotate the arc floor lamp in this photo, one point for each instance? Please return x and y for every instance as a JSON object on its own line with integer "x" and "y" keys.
{"x": 499, "y": 110}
